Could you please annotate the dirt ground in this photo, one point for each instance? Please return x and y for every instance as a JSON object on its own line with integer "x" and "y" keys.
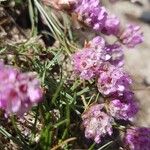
{"x": 138, "y": 59}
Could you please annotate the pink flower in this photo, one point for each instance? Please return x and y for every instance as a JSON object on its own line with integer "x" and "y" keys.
{"x": 132, "y": 36}
{"x": 91, "y": 13}
{"x": 112, "y": 25}
{"x": 18, "y": 91}
{"x": 97, "y": 123}
{"x": 87, "y": 62}
{"x": 113, "y": 80}
{"x": 123, "y": 107}
{"x": 137, "y": 138}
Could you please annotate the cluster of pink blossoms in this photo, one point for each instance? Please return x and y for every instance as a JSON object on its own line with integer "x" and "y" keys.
{"x": 104, "y": 62}
{"x": 137, "y": 138}
{"x": 94, "y": 15}
{"x": 18, "y": 91}
{"x": 97, "y": 123}
{"x": 91, "y": 60}
{"x": 123, "y": 107}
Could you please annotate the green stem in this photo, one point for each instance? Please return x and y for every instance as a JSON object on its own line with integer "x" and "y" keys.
{"x": 92, "y": 146}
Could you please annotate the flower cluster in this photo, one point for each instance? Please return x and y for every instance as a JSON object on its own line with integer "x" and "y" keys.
{"x": 113, "y": 80}
{"x": 95, "y": 15}
{"x": 91, "y": 13}
{"x": 137, "y": 138}
{"x": 97, "y": 123}
{"x": 18, "y": 91}
{"x": 104, "y": 62}
{"x": 123, "y": 107}
{"x": 131, "y": 36}
{"x": 89, "y": 61}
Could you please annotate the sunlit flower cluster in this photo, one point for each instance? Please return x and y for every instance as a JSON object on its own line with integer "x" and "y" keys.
{"x": 97, "y": 123}
{"x": 92, "y": 59}
{"x": 104, "y": 63}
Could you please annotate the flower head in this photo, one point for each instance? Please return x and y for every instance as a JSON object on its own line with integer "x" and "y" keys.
{"x": 116, "y": 53}
{"x": 18, "y": 91}
{"x": 97, "y": 123}
{"x": 123, "y": 107}
{"x": 112, "y": 25}
{"x": 89, "y": 61}
{"x": 137, "y": 138}
{"x": 91, "y": 13}
{"x": 110, "y": 52}
{"x": 132, "y": 36}
{"x": 113, "y": 80}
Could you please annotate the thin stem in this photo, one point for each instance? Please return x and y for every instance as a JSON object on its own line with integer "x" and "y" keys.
{"x": 63, "y": 143}
{"x": 104, "y": 146}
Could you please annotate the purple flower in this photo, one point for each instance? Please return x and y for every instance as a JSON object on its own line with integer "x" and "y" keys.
{"x": 132, "y": 36}
{"x": 124, "y": 107}
{"x": 91, "y": 13}
{"x": 112, "y": 25}
{"x": 97, "y": 123}
{"x": 94, "y": 15}
{"x": 18, "y": 91}
{"x": 89, "y": 61}
{"x": 113, "y": 80}
{"x": 116, "y": 53}
{"x": 110, "y": 52}
{"x": 97, "y": 43}
{"x": 137, "y": 138}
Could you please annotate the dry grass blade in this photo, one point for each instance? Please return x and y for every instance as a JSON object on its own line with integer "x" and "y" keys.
{"x": 63, "y": 143}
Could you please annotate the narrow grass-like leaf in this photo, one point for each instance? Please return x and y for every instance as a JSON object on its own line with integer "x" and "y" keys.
{"x": 106, "y": 145}
{"x": 58, "y": 90}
